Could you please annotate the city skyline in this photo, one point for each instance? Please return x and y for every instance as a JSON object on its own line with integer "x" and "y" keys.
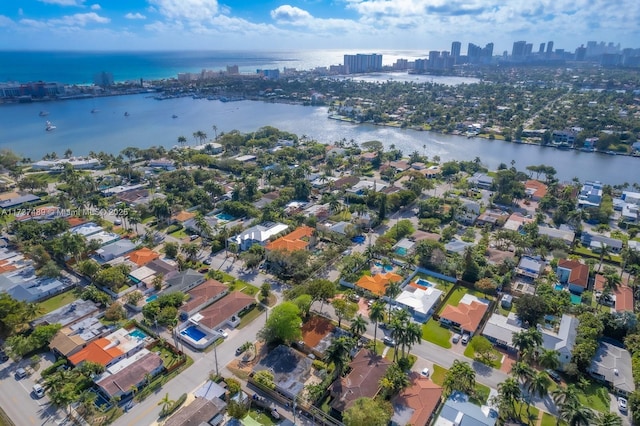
{"x": 312, "y": 24}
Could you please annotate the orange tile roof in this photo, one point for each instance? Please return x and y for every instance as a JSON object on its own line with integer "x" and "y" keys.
{"x": 200, "y": 294}
{"x": 315, "y": 329}
{"x": 143, "y": 256}
{"x": 183, "y": 216}
{"x": 75, "y": 221}
{"x": 468, "y": 316}
{"x": 624, "y": 298}
{"x": 378, "y": 283}
{"x": 7, "y": 268}
{"x": 579, "y": 272}
{"x": 422, "y": 396}
{"x": 599, "y": 283}
{"x": 223, "y": 309}
{"x": 97, "y": 351}
{"x": 293, "y": 241}
{"x": 536, "y": 188}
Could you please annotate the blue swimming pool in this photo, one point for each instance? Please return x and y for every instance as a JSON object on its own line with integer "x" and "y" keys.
{"x": 387, "y": 268}
{"x": 559, "y": 287}
{"x": 576, "y": 299}
{"x": 138, "y": 334}
{"x": 224, "y": 216}
{"x": 358, "y": 239}
{"x": 424, "y": 283}
{"x": 151, "y": 298}
{"x": 401, "y": 251}
{"x": 193, "y": 332}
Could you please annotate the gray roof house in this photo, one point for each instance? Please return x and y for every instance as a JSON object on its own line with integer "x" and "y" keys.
{"x": 563, "y": 340}
{"x": 481, "y": 180}
{"x": 17, "y": 201}
{"x": 289, "y": 367}
{"x": 114, "y": 250}
{"x": 183, "y": 281}
{"x": 500, "y": 329}
{"x": 530, "y": 267}
{"x": 39, "y": 289}
{"x": 565, "y": 235}
{"x": 596, "y": 241}
{"x": 612, "y": 365}
{"x": 69, "y": 314}
{"x": 457, "y": 410}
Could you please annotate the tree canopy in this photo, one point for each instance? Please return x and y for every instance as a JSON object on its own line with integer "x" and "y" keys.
{"x": 283, "y": 325}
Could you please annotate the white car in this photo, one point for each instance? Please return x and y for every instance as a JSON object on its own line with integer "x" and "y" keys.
{"x": 465, "y": 339}
{"x": 425, "y": 372}
{"x": 622, "y": 404}
{"x": 38, "y": 391}
{"x": 222, "y": 333}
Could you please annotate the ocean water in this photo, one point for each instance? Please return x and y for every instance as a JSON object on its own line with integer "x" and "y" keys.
{"x": 80, "y": 67}
{"x": 150, "y": 123}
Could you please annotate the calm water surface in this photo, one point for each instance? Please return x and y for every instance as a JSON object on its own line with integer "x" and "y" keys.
{"x": 150, "y": 122}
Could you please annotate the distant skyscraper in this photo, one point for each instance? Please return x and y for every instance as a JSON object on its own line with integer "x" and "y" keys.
{"x": 549, "y": 47}
{"x": 103, "y": 79}
{"x": 361, "y": 62}
{"x": 528, "y": 49}
{"x": 581, "y": 53}
{"x": 455, "y": 49}
{"x": 487, "y": 52}
{"x": 541, "y": 49}
{"x": 518, "y": 49}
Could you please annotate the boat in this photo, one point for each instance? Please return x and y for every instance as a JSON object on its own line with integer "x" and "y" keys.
{"x": 174, "y": 116}
{"x": 126, "y": 114}
{"x": 93, "y": 111}
{"x": 50, "y": 126}
{"x": 43, "y": 113}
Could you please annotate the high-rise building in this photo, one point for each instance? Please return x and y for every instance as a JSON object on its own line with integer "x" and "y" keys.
{"x": 103, "y": 79}
{"x": 455, "y": 49}
{"x": 549, "y": 47}
{"x": 528, "y": 49}
{"x": 541, "y": 49}
{"x": 581, "y": 53}
{"x": 487, "y": 52}
{"x": 361, "y": 62}
{"x": 518, "y": 49}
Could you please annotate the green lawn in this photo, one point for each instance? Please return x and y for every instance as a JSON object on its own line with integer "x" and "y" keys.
{"x": 595, "y": 396}
{"x": 455, "y": 296}
{"x": 434, "y": 333}
{"x": 58, "y": 301}
{"x": 524, "y": 417}
{"x": 550, "y": 420}
{"x": 470, "y": 352}
{"x": 180, "y": 233}
{"x": 482, "y": 391}
{"x": 440, "y": 284}
{"x": 254, "y": 313}
{"x": 168, "y": 357}
{"x": 261, "y": 417}
{"x": 437, "y": 376}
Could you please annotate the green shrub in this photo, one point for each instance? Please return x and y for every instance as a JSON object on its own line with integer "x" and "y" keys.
{"x": 53, "y": 367}
{"x": 319, "y": 365}
{"x": 233, "y": 386}
{"x": 173, "y": 407}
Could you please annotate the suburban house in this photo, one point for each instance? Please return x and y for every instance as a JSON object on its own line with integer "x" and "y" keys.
{"x": 467, "y": 316}
{"x": 183, "y": 281}
{"x": 110, "y": 349}
{"x": 143, "y": 256}
{"x": 535, "y": 189}
{"x": 416, "y": 404}
{"x": 290, "y": 369}
{"x": 590, "y": 194}
{"x": 259, "y": 234}
{"x": 203, "y": 295}
{"x": 120, "y": 378}
{"x": 182, "y": 217}
{"x": 612, "y": 365}
{"x": 114, "y": 250}
{"x": 367, "y": 368}
{"x": 492, "y": 217}
{"x": 468, "y": 212}
{"x": 596, "y": 241}
{"x": 481, "y": 180}
{"x": 563, "y": 233}
{"x": 299, "y": 239}
{"x": 69, "y": 314}
{"x": 225, "y": 311}
{"x": 623, "y": 296}
{"x": 457, "y": 410}
{"x": 530, "y": 267}
{"x": 499, "y": 330}
{"x": 420, "y": 301}
{"x": 563, "y": 340}
{"x": 516, "y": 221}
{"x": 378, "y": 283}
{"x": 201, "y": 411}
{"x": 573, "y": 273}
{"x": 71, "y": 339}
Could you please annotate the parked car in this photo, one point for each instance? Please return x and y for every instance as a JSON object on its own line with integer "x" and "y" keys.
{"x": 425, "y": 372}
{"x": 117, "y": 222}
{"x": 193, "y": 237}
{"x": 465, "y": 339}
{"x": 240, "y": 350}
{"x": 622, "y": 404}
{"x": 38, "y": 390}
{"x": 21, "y": 373}
{"x": 222, "y": 333}
{"x": 554, "y": 376}
{"x": 207, "y": 261}
{"x": 389, "y": 341}
{"x": 456, "y": 338}
{"x": 3, "y": 357}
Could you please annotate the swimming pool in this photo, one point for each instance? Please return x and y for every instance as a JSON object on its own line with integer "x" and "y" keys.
{"x": 138, "y": 334}
{"x": 576, "y": 299}
{"x": 401, "y": 251}
{"x": 224, "y": 216}
{"x": 194, "y": 333}
{"x": 151, "y": 298}
{"x": 424, "y": 283}
{"x": 559, "y": 287}
{"x": 387, "y": 268}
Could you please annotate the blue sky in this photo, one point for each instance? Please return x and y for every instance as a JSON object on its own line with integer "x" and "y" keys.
{"x": 312, "y": 24}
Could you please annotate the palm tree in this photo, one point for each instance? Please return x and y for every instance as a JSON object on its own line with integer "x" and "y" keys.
{"x": 376, "y": 314}
{"x": 338, "y": 353}
{"x": 575, "y": 414}
{"x": 608, "y": 419}
{"x": 604, "y": 251}
{"x": 215, "y": 131}
{"x": 392, "y": 291}
{"x": 549, "y": 358}
{"x": 182, "y": 140}
{"x": 563, "y": 395}
{"x": 459, "y": 377}
{"x": 412, "y": 335}
{"x": 509, "y": 392}
{"x": 166, "y": 402}
{"x": 358, "y": 326}
{"x": 522, "y": 371}
{"x": 538, "y": 386}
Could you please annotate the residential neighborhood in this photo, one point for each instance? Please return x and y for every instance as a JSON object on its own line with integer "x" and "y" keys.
{"x": 337, "y": 284}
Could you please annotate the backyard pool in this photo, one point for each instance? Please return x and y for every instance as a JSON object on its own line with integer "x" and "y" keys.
{"x": 387, "y": 268}
{"x": 576, "y": 299}
{"x": 559, "y": 287}
{"x": 224, "y": 217}
{"x": 151, "y": 298}
{"x": 423, "y": 283}
{"x": 138, "y": 334}
{"x": 401, "y": 251}
{"x": 194, "y": 333}
{"x": 358, "y": 239}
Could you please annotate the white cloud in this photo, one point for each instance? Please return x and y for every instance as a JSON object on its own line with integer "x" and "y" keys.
{"x": 136, "y": 15}
{"x": 290, "y": 14}
{"x": 5, "y": 21}
{"x": 75, "y": 20}
{"x": 64, "y": 2}
{"x": 188, "y": 10}
{"x": 95, "y": 7}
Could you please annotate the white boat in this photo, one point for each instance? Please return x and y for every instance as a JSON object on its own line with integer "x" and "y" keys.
{"x": 50, "y": 126}
{"x": 93, "y": 111}
{"x": 43, "y": 113}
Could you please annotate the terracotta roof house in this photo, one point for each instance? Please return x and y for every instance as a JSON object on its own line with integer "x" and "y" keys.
{"x": 624, "y": 298}
{"x": 367, "y": 368}
{"x": 377, "y": 284}
{"x": 599, "y": 282}
{"x": 574, "y": 273}
{"x": 183, "y": 216}
{"x": 118, "y": 379}
{"x": 466, "y": 316}
{"x": 345, "y": 182}
{"x": 203, "y": 295}
{"x": 416, "y": 404}
{"x": 535, "y": 189}
{"x": 143, "y": 256}
{"x": 101, "y": 351}
{"x": 224, "y": 310}
{"x": 201, "y": 411}
{"x": 293, "y": 241}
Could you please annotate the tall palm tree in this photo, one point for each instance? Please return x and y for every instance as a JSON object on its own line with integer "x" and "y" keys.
{"x": 522, "y": 371}
{"x": 338, "y": 353}
{"x": 608, "y": 419}
{"x": 392, "y": 291}
{"x": 549, "y": 358}
{"x": 182, "y": 140}
{"x": 575, "y": 414}
{"x": 509, "y": 392}
{"x": 358, "y": 326}
{"x": 538, "y": 386}
{"x": 376, "y": 314}
{"x": 563, "y": 395}
{"x": 412, "y": 336}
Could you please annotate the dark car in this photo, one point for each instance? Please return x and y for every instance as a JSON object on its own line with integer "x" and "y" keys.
{"x": 554, "y": 376}
{"x": 240, "y": 350}
{"x": 3, "y": 357}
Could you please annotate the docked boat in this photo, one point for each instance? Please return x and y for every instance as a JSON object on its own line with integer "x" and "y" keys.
{"x": 43, "y": 113}
{"x": 174, "y": 116}
{"x": 126, "y": 114}
{"x": 93, "y": 111}
{"x": 50, "y": 126}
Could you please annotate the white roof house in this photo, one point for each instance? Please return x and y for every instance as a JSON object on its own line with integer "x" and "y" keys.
{"x": 563, "y": 340}
{"x": 258, "y": 234}
{"x": 420, "y": 301}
